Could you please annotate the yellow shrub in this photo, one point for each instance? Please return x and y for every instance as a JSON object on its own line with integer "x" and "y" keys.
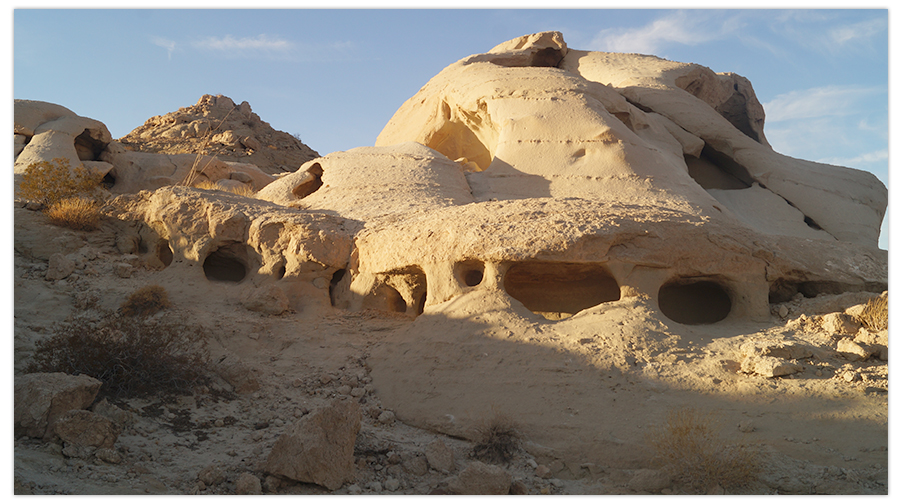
{"x": 48, "y": 182}
{"x": 75, "y": 213}
{"x": 145, "y": 301}
{"x": 244, "y": 190}
{"x": 874, "y": 315}
{"x": 689, "y": 444}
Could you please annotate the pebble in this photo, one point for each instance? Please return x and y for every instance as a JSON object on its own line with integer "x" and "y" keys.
{"x": 374, "y": 486}
{"x": 387, "y": 417}
{"x": 344, "y": 390}
{"x": 392, "y": 484}
{"x": 358, "y": 392}
{"x": 850, "y": 376}
{"x": 354, "y": 489}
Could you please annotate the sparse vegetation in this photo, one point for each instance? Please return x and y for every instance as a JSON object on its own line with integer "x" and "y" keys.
{"x": 75, "y": 213}
{"x": 499, "y": 439}
{"x": 243, "y": 190}
{"x": 145, "y": 301}
{"x": 688, "y": 443}
{"x": 132, "y": 358}
{"x": 48, "y": 182}
{"x": 874, "y": 315}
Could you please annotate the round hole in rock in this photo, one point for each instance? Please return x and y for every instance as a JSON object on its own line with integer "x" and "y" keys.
{"x": 470, "y": 272}
{"x": 557, "y": 290}
{"x": 694, "y": 302}
{"x": 227, "y": 263}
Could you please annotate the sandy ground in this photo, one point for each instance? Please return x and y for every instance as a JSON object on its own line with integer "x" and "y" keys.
{"x": 584, "y": 391}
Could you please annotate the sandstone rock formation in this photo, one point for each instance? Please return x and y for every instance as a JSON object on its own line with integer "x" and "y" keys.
{"x": 214, "y": 141}
{"x": 216, "y": 127}
{"x": 578, "y": 240}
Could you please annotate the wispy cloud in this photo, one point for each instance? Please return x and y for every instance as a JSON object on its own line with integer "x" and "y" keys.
{"x": 834, "y": 100}
{"x": 861, "y": 31}
{"x": 230, "y": 44}
{"x": 165, "y": 43}
{"x": 678, "y": 27}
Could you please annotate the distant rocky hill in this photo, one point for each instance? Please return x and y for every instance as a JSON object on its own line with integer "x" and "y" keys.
{"x": 216, "y": 126}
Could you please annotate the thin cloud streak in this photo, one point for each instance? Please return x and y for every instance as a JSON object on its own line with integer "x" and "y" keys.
{"x": 229, "y": 43}
{"x": 678, "y": 27}
{"x": 165, "y": 43}
{"x": 815, "y": 102}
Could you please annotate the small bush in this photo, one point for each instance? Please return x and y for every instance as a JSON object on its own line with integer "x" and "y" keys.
{"x": 874, "y": 315}
{"x": 48, "y": 182}
{"x": 145, "y": 301}
{"x": 75, "y": 213}
{"x": 132, "y": 358}
{"x": 689, "y": 444}
{"x": 499, "y": 439}
{"x": 243, "y": 190}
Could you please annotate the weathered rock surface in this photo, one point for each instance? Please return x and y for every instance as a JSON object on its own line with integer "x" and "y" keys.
{"x": 481, "y": 479}
{"x": 41, "y": 398}
{"x": 319, "y": 447}
{"x": 217, "y": 127}
{"x": 85, "y": 428}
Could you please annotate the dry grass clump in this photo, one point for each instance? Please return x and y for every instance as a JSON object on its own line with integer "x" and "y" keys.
{"x": 243, "y": 190}
{"x": 75, "y": 213}
{"x": 131, "y": 357}
{"x": 689, "y": 444}
{"x": 48, "y": 182}
{"x": 499, "y": 439}
{"x": 874, "y": 315}
{"x": 145, "y": 301}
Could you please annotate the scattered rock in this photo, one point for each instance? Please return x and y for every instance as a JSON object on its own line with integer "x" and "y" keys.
{"x": 542, "y": 471}
{"x": 211, "y": 475}
{"x": 85, "y": 428}
{"x": 854, "y": 351}
{"x": 392, "y": 484}
{"x": 840, "y": 323}
{"x": 416, "y": 465}
{"x": 746, "y": 426}
{"x": 481, "y": 479}
{"x": 247, "y": 484}
{"x": 237, "y": 374}
{"x": 319, "y": 447}
{"x": 440, "y": 456}
{"x": 386, "y": 417}
{"x": 40, "y": 398}
{"x": 769, "y": 367}
{"x": 108, "y": 455}
{"x": 59, "y": 267}
{"x": 123, "y": 270}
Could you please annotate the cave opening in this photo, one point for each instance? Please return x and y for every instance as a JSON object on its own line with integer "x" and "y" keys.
{"x": 694, "y": 301}
{"x": 557, "y": 290}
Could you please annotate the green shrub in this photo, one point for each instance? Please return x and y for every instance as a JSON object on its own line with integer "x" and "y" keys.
{"x": 131, "y": 357}
{"x": 75, "y": 213}
{"x": 874, "y": 315}
{"x": 689, "y": 445}
{"x": 48, "y": 182}
{"x": 499, "y": 439}
{"x": 145, "y": 301}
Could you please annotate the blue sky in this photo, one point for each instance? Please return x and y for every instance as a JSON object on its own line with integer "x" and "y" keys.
{"x": 335, "y": 77}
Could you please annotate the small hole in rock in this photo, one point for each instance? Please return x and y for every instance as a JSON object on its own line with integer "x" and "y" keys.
{"x": 227, "y": 263}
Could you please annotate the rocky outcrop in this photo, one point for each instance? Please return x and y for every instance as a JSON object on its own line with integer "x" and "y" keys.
{"x": 319, "y": 447}
{"x": 217, "y": 127}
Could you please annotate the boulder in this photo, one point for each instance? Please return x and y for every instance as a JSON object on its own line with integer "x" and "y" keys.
{"x": 41, "y": 398}
{"x": 60, "y": 267}
{"x": 53, "y": 131}
{"x": 85, "y": 428}
{"x": 319, "y": 447}
{"x": 481, "y": 479}
{"x": 269, "y": 299}
{"x": 248, "y": 484}
{"x": 439, "y": 455}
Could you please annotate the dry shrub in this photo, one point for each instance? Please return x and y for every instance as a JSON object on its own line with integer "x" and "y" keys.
{"x": 874, "y": 315}
{"x": 48, "y": 182}
{"x": 75, "y": 213}
{"x": 499, "y": 439}
{"x": 689, "y": 444}
{"x": 131, "y": 357}
{"x": 147, "y": 300}
{"x": 243, "y": 190}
